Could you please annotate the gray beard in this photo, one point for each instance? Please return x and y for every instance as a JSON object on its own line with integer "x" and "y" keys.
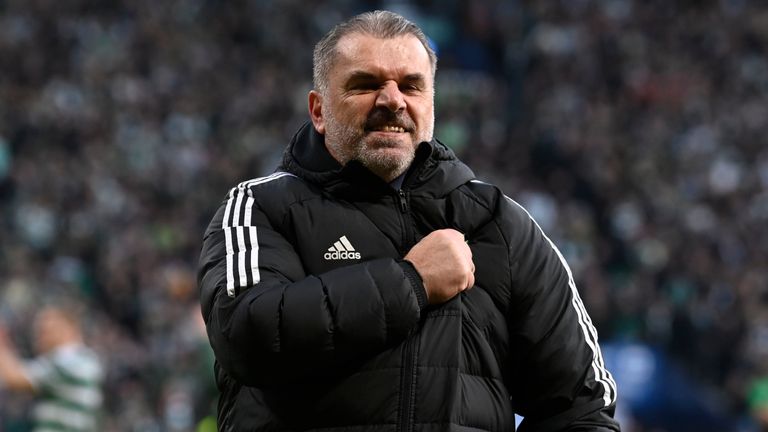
{"x": 349, "y": 143}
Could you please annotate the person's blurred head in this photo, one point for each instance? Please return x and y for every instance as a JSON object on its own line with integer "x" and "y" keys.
{"x": 54, "y": 327}
{"x": 374, "y": 91}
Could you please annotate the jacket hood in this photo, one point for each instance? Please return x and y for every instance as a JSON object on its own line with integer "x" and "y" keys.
{"x": 435, "y": 170}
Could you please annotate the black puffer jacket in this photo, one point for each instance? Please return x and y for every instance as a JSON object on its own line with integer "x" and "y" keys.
{"x": 318, "y": 324}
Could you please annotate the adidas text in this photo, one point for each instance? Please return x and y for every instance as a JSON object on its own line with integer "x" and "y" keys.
{"x": 336, "y": 255}
{"x": 342, "y": 250}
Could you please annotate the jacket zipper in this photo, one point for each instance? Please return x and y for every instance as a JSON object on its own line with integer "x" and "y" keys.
{"x": 410, "y": 351}
{"x": 408, "y": 384}
{"x": 407, "y": 239}
{"x": 403, "y": 200}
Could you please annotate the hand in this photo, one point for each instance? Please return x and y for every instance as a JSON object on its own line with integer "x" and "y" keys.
{"x": 3, "y": 335}
{"x": 5, "y": 341}
{"x": 12, "y": 373}
{"x": 444, "y": 262}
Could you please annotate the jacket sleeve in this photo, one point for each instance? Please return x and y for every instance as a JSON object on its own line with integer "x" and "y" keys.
{"x": 560, "y": 382}
{"x": 271, "y": 325}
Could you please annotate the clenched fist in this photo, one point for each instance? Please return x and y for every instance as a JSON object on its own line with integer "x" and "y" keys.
{"x": 444, "y": 262}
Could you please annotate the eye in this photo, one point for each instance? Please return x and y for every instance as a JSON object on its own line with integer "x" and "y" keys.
{"x": 410, "y": 88}
{"x": 363, "y": 87}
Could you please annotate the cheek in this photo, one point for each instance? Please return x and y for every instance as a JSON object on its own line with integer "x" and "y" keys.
{"x": 355, "y": 107}
{"x": 422, "y": 108}
{"x": 423, "y": 116}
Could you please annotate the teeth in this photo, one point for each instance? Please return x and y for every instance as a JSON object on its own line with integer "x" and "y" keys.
{"x": 392, "y": 129}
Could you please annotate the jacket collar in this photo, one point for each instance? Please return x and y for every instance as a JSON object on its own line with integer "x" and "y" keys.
{"x": 434, "y": 171}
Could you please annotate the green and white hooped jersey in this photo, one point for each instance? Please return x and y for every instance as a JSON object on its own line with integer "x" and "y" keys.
{"x": 68, "y": 383}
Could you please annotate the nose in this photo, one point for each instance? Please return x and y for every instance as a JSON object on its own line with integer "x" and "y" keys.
{"x": 390, "y": 97}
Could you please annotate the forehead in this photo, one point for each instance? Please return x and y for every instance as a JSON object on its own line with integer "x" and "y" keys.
{"x": 391, "y": 58}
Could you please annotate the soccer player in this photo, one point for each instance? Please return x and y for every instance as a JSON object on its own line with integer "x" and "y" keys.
{"x": 65, "y": 377}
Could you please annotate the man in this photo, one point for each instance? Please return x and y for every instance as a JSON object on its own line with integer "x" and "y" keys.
{"x": 65, "y": 378}
{"x": 371, "y": 283}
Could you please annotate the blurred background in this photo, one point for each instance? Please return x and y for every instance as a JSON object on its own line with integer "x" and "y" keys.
{"x": 634, "y": 132}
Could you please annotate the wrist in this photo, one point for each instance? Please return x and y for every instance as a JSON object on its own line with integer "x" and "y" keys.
{"x": 417, "y": 282}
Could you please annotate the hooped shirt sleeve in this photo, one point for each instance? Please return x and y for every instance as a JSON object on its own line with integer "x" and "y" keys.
{"x": 559, "y": 379}
{"x": 271, "y": 324}
{"x": 71, "y": 370}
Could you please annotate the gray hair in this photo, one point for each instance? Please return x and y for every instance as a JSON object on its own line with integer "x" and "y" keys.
{"x": 380, "y": 24}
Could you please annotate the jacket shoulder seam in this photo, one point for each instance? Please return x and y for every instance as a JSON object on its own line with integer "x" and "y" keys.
{"x": 474, "y": 198}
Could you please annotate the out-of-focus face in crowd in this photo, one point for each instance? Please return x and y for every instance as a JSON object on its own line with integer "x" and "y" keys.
{"x": 378, "y": 104}
{"x": 52, "y": 329}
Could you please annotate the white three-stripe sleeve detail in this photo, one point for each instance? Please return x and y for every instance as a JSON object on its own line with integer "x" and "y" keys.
{"x": 602, "y": 375}
{"x": 240, "y": 244}
{"x": 252, "y": 240}
{"x": 235, "y": 233}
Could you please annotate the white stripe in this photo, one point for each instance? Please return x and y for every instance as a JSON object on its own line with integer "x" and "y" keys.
{"x": 237, "y": 240}
{"x": 596, "y": 369}
{"x": 230, "y": 259}
{"x": 47, "y": 412}
{"x": 602, "y": 375}
{"x": 254, "y": 255}
{"x": 339, "y": 247}
{"x": 248, "y": 218}
{"x": 89, "y": 397}
{"x": 258, "y": 180}
{"x": 347, "y": 244}
{"x": 228, "y": 241}
{"x": 261, "y": 180}
{"x": 248, "y": 222}
{"x": 584, "y": 316}
{"x": 228, "y": 209}
{"x": 241, "y": 256}
{"x": 233, "y": 208}
{"x": 236, "y": 215}
{"x": 590, "y": 334}
{"x": 80, "y": 363}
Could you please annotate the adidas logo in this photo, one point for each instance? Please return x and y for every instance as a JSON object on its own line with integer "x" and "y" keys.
{"x": 342, "y": 250}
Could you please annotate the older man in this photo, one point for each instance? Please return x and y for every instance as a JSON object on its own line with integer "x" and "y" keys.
{"x": 372, "y": 283}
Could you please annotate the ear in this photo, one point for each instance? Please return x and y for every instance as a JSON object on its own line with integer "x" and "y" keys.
{"x": 316, "y": 111}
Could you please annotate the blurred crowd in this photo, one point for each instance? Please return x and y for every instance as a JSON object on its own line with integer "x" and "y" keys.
{"x": 634, "y": 132}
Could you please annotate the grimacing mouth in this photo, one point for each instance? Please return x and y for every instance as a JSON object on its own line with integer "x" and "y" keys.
{"x": 387, "y": 128}
{"x": 381, "y": 120}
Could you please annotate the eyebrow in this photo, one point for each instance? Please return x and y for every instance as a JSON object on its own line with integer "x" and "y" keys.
{"x": 361, "y": 76}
